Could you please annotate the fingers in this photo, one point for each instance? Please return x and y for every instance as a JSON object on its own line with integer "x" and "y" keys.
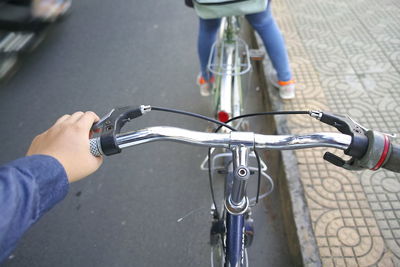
{"x": 84, "y": 121}
{"x": 75, "y": 117}
{"x": 69, "y": 118}
{"x": 62, "y": 119}
{"x": 87, "y": 120}
{"x": 89, "y": 117}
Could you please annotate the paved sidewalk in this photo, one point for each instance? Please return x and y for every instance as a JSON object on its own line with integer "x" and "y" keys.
{"x": 346, "y": 59}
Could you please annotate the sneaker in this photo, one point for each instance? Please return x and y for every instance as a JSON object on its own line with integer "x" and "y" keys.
{"x": 287, "y": 89}
{"x": 204, "y": 85}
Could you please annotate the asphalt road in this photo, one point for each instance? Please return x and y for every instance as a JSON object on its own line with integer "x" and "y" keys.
{"x": 115, "y": 53}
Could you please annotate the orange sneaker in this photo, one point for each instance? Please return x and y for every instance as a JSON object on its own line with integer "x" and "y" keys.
{"x": 204, "y": 85}
{"x": 287, "y": 89}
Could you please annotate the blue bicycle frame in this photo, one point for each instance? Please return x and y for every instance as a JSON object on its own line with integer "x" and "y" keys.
{"x": 236, "y": 205}
{"x": 234, "y": 255}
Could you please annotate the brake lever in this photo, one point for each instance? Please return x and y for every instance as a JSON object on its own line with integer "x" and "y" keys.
{"x": 345, "y": 125}
{"x": 99, "y": 125}
{"x": 368, "y": 149}
{"x": 112, "y": 123}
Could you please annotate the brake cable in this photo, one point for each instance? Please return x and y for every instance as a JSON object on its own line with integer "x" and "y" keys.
{"x": 112, "y": 123}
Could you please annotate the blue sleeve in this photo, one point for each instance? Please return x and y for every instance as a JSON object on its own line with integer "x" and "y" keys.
{"x": 29, "y": 187}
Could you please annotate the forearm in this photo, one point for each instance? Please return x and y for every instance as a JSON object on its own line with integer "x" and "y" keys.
{"x": 29, "y": 187}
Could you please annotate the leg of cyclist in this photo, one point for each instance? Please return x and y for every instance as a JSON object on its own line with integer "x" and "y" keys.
{"x": 208, "y": 29}
{"x": 264, "y": 23}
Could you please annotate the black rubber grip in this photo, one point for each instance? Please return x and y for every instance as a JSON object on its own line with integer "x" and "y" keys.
{"x": 393, "y": 164}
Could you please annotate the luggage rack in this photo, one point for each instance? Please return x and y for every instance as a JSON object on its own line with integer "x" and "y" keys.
{"x": 234, "y": 58}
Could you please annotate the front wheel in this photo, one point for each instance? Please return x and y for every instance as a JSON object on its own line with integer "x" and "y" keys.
{"x": 217, "y": 253}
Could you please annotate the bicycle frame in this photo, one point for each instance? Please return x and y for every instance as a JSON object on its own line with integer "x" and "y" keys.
{"x": 234, "y": 255}
{"x": 368, "y": 150}
{"x": 236, "y": 204}
{"x": 228, "y": 67}
{"x": 228, "y": 70}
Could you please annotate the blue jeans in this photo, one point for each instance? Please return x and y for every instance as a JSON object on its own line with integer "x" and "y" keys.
{"x": 264, "y": 23}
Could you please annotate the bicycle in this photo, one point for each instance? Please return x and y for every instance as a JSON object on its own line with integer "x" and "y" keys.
{"x": 231, "y": 230}
{"x": 229, "y": 60}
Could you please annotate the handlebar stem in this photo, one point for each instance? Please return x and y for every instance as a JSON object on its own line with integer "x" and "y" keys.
{"x": 241, "y": 173}
{"x": 236, "y": 202}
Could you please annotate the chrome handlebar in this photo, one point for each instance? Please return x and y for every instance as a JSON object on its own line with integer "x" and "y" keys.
{"x": 226, "y": 140}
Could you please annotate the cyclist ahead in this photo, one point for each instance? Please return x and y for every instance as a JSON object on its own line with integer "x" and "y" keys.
{"x": 264, "y": 23}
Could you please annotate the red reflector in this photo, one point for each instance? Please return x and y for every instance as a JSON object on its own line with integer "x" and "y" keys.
{"x": 223, "y": 116}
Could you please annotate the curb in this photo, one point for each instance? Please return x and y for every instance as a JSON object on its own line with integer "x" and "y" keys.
{"x": 297, "y": 221}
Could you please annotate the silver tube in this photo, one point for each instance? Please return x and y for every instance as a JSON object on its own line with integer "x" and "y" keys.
{"x": 237, "y": 86}
{"x": 290, "y": 142}
{"x": 161, "y": 133}
{"x": 226, "y": 140}
{"x": 241, "y": 174}
{"x": 226, "y": 81}
{"x": 272, "y": 142}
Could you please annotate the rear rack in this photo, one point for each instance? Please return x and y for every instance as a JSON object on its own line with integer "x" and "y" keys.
{"x": 234, "y": 58}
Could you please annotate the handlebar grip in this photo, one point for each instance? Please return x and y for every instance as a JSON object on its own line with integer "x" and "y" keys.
{"x": 95, "y": 147}
{"x": 393, "y": 163}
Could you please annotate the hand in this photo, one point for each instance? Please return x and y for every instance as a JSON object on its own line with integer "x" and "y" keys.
{"x": 68, "y": 141}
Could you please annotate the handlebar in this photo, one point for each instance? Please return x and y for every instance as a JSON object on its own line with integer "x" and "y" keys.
{"x": 368, "y": 149}
{"x": 393, "y": 163}
{"x": 225, "y": 140}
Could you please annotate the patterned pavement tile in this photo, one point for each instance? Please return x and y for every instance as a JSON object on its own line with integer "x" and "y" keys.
{"x": 352, "y": 44}
{"x": 346, "y": 58}
{"x": 394, "y": 57}
{"x": 375, "y": 62}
